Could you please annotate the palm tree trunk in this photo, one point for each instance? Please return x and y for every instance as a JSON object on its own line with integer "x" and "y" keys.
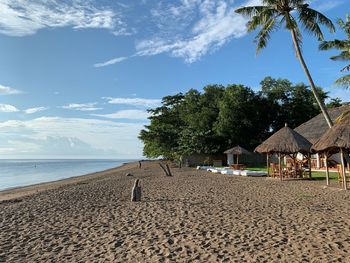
{"x": 308, "y": 75}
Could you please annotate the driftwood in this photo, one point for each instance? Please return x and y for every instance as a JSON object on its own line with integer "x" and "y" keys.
{"x": 136, "y": 192}
{"x": 166, "y": 169}
{"x": 128, "y": 174}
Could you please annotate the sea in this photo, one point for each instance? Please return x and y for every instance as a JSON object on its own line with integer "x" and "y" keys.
{"x": 17, "y": 173}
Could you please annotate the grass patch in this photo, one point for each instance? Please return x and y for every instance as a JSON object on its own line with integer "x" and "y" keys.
{"x": 262, "y": 169}
{"x": 315, "y": 175}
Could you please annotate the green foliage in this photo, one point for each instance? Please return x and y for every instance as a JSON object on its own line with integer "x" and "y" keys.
{"x": 292, "y": 14}
{"x": 273, "y": 14}
{"x": 199, "y": 113}
{"x": 334, "y": 102}
{"x": 344, "y": 47}
{"x": 292, "y": 104}
{"x": 222, "y": 117}
{"x": 162, "y": 135}
{"x": 239, "y": 119}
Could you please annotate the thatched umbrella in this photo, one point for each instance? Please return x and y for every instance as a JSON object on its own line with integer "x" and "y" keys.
{"x": 285, "y": 141}
{"x": 238, "y": 150}
{"x": 336, "y": 139}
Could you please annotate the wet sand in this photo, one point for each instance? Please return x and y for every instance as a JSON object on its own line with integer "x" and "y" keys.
{"x": 193, "y": 216}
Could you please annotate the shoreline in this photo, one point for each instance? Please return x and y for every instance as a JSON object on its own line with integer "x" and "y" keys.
{"x": 22, "y": 191}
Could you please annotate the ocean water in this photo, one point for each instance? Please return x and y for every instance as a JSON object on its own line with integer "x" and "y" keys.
{"x": 16, "y": 173}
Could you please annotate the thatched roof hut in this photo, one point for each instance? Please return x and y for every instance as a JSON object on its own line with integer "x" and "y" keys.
{"x": 337, "y": 137}
{"x": 238, "y": 150}
{"x": 313, "y": 129}
{"x": 285, "y": 141}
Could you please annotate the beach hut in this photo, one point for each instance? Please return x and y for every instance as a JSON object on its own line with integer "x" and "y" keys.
{"x": 314, "y": 128}
{"x": 285, "y": 142}
{"x": 235, "y": 151}
{"x": 335, "y": 140}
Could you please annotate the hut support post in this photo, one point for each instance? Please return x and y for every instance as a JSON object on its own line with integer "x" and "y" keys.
{"x": 309, "y": 164}
{"x": 327, "y": 170}
{"x": 268, "y": 164}
{"x": 237, "y": 158}
{"x": 343, "y": 168}
{"x": 280, "y": 166}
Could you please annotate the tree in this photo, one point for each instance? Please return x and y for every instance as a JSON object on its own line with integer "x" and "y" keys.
{"x": 334, "y": 103}
{"x": 199, "y": 113}
{"x": 243, "y": 117}
{"x": 220, "y": 117}
{"x": 161, "y": 137}
{"x": 294, "y": 104}
{"x": 344, "y": 47}
{"x": 274, "y": 13}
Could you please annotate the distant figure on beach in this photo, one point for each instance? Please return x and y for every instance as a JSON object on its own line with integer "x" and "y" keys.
{"x": 140, "y": 164}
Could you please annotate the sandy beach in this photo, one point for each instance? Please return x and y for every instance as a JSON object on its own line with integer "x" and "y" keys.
{"x": 193, "y": 216}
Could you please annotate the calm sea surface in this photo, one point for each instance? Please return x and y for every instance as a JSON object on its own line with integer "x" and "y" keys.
{"x": 15, "y": 173}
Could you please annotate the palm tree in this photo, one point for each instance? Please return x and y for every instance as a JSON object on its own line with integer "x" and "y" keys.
{"x": 272, "y": 14}
{"x": 344, "y": 47}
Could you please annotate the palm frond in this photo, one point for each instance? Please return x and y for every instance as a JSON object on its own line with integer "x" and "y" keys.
{"x": 343, "y": 56}
{"x": 343, "y": 81}
{"x": 265, "y": 34}
{"x": 311, "y": 20}
{"x": 254, "y": 23}
{"x": 336, "y": 44}
{"x": 250, "y": 11}
{"x": 347, "y": 68}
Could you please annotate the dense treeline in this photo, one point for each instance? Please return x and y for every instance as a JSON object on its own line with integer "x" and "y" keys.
{"x": 211, "y": 121}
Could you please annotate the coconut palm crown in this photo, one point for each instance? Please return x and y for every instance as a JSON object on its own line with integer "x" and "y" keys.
{"x": 273, "y": 14}
{"x": 344, "y": 47}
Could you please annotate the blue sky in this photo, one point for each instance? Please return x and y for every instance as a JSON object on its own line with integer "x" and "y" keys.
{"x": 77, "y": 76}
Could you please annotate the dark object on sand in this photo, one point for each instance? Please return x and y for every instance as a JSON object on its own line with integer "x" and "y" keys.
{"x": 166, "y": 169}
{"x": 129, "y": 174}
{"x": 140, "y": 164}
{"x": 136, "y": 192}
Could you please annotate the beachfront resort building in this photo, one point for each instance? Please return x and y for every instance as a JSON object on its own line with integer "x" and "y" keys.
{"x": 313, "y": 129}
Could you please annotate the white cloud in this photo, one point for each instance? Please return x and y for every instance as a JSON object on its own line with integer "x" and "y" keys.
{"x": 34, "y": 110}
{"x": 82, "y": 106}
{"x": 126, "y": 114}
{"x": 22, "y": 17}
{"x": 110, "y": 62}
{"x": 217, "y": 25}
{"x": 134, "y": 101}
{"x": 4, "y": 90}
{"x": 8, "y": 108}
{"x": 55, "y": 135}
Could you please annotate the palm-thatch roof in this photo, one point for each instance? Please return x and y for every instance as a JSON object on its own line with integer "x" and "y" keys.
{"x": 313, "y": 129}
{"x": 238, "y": 150}
{"x": 285, "y": 141}
{"x": 337, "y": 137}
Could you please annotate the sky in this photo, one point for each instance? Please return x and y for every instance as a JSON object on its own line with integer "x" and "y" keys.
{"x": 76, "y": 77}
